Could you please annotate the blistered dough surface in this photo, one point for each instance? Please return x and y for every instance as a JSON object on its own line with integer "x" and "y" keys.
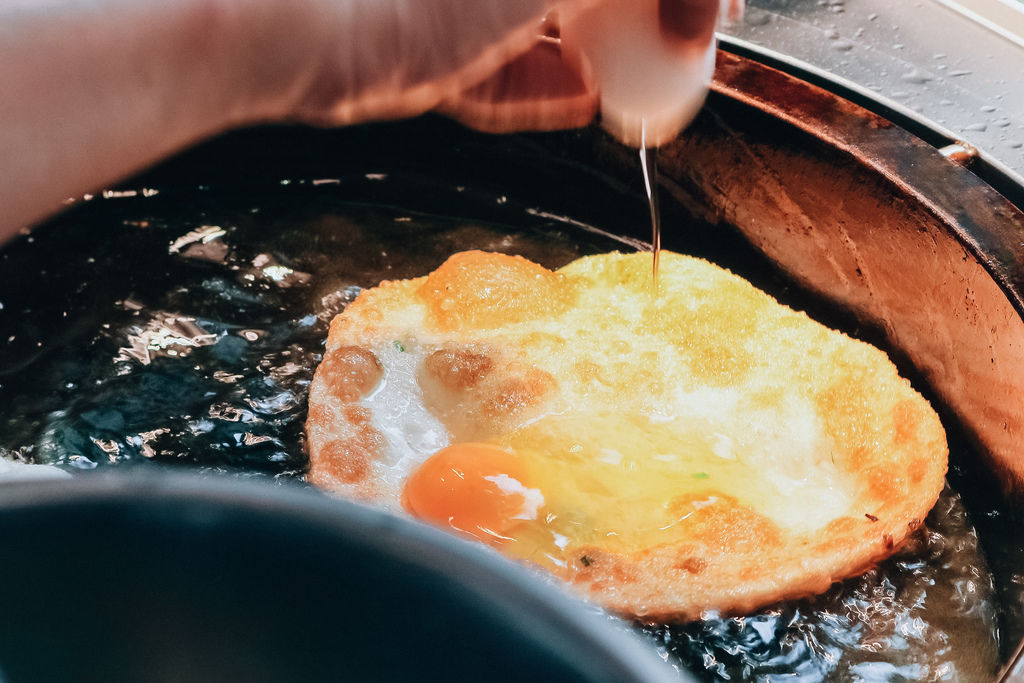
{"x": 699, "y": 447}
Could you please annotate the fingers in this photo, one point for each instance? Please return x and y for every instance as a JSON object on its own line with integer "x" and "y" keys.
{"x": 689, "y": 23}
{"x": 732, "y": 10}
{"x": 478, "y": 61}
{"x": 541, "y": 90}
{"x": 537, "y": 91}
{"x": 393, "y": 58}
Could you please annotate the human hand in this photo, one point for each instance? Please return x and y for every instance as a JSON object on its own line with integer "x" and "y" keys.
{"x": 645, "y": 64}
{"x": 96, "y": 89}
{"x": 496, "y": 66}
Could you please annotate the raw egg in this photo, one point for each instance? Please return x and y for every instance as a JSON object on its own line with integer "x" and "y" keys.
{"x": 476, "y": 489}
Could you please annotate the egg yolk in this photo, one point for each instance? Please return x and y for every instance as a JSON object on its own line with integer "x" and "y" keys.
{"x": 478, "y": 489}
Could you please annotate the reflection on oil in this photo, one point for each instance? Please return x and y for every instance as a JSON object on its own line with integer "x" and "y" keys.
{"x": 164, "y": 334}
{"x": 266, "y": 266}
{"x": 195, "y": 243}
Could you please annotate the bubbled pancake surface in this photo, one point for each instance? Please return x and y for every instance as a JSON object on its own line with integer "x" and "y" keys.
{"x": 698, "y": 447}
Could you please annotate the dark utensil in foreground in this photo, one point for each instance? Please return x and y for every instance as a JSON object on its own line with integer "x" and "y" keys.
{"x": 161, "y": 578}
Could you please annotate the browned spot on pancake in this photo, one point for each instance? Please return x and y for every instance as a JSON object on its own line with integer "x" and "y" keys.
{"x": 600, "y": 567}
{"x": 692, "y": 565}
{"x": 319, "y": 415}
{"x": 350, "y": 372}
{"x": 514, "y": 395}
{"x": 725, "y": 522}
{"x": 346, "y": 460}
{"x": 906, "y": 420}
{"x": 751, "y": 572}
{"x": 886, "y": 482}
{"x": 479, "y": 290}
{"x": 837, "y": 533}
{"x": 588, "y": 371}
{"x": 359, "y": 416}
{"x": 841, "y": 421}
{"x": 918, "y": 468}
{"x": 477, "y": 395}
{"x": 459, "y": 368}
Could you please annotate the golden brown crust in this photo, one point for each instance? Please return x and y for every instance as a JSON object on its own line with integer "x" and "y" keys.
{"x": 502, "y": 341}
{"x": 733, "y": 573}
{"x": 342, "y": 440}
{"x": 343, "y": 445}
{"x": 478, "y": 290}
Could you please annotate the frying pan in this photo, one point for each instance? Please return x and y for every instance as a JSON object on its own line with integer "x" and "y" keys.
{"x": 875, "y": 228}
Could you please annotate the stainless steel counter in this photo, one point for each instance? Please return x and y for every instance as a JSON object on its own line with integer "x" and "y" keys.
{"x": 956, "y": 67}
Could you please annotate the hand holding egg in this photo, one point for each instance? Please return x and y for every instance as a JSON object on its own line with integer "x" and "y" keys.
{"x": 507, "y": 66}
{"x": 155, "y": 77}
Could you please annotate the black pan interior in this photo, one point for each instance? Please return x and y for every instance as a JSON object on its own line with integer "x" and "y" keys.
{"x": 346, "y": 208}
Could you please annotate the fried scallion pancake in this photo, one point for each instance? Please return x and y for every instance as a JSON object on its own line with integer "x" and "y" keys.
{"x": 666, "y": 452}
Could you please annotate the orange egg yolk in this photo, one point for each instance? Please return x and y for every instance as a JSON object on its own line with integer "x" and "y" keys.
{"x": 478, "y": 489}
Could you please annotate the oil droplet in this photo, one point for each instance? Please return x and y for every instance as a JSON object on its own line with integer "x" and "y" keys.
{"x": 843, "y": 45}
{"x": 1014, "y": 144}
{"x": 916, "y": 77}
{"x": 753, "y": 17}
{"x": 976, "y": 127}
{"x": 959, "y": 72}
{"x": 988, "y": 108}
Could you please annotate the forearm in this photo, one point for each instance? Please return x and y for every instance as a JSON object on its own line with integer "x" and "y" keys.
{"x": 91, "y": 91}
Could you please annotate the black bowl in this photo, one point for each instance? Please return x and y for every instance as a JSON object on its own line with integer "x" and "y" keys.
{"x": 181, "y": 578}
